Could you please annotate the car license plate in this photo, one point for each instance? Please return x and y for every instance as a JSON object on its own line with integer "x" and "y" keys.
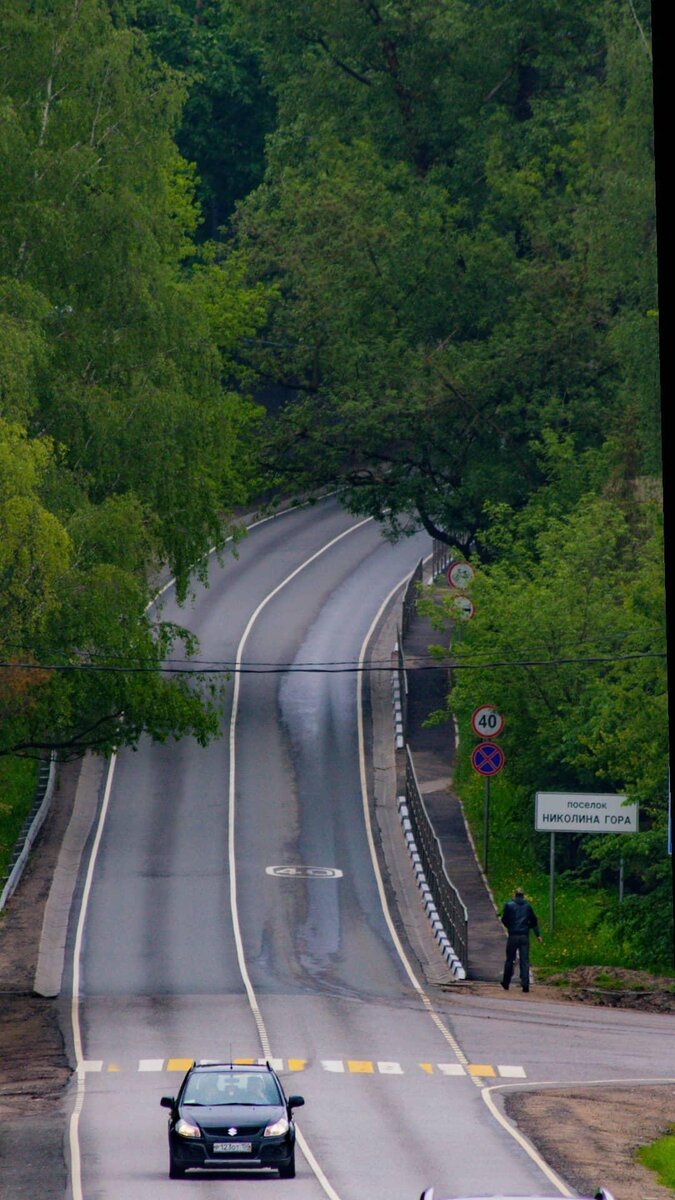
{"x": 232, "y": 1147}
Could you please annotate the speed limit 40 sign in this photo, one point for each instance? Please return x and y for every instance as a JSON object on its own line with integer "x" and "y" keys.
{"x": 487, "y": 722}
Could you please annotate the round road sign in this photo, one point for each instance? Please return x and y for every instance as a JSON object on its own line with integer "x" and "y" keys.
{"x": 488, "y": 759}
{"x": 487, "y": 722}
{"x": 460, "y": 574}
{"x": 464, "y": 605}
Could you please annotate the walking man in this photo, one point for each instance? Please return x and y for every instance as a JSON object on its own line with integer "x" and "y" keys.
{"x": 519, "y": 918}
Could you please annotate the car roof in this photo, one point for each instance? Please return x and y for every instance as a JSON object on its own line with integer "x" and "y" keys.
{"x": 209, "y": 1064}
{"x": 600, "y": 1194}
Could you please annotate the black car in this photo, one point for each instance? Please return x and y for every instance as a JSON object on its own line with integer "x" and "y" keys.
{"x": 228, "y": 1115}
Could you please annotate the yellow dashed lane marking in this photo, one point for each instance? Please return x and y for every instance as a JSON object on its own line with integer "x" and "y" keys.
{"x": 355, "y": 1066}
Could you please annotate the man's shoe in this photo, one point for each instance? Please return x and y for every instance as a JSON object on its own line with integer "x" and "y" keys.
{"x": 504, "y": 985}
{"x": 526, "y": 989}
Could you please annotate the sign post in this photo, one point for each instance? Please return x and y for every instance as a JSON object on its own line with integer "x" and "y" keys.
{"x": 551, "y": 883}
{"x": 487, "y": 759}
{"x": 581, "y": 812}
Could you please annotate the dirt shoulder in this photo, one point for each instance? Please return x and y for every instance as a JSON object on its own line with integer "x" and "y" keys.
{"x": 588, "y": 1135}
{"x": 33, "y": 1065}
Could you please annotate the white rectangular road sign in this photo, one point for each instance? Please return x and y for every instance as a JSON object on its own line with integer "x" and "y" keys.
{"x": 584, "y": 812}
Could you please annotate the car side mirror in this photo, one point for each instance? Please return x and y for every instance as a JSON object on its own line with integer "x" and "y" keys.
{"x": 167, "y": 1102}
{"x": 296, "y": 1101}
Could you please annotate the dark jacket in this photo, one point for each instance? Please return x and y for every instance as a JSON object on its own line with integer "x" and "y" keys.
{"x": 519, "y": 917}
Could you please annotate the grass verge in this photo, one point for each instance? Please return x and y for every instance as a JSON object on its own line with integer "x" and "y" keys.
{"x": 660, "y": 1158}
{"x": 18, "y": 777}
{"x": 579, "y": 936}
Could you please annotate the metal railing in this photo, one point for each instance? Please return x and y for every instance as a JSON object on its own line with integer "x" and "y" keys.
{"x": 402, "y": 684}
{"x": 447, "y": 900}
{"x": 44, "y": 790}
{"x": 449, "y": 905}
{"x": 410, "y": 597}
{"x": 441, "y": 557}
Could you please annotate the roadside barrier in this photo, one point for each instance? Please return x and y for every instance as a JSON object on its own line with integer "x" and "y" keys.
{"x": 44, "y": 790}
{"x": 443, "y": 904}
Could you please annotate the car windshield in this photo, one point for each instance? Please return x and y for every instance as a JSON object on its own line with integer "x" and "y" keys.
{"x": 230, "y": 1087}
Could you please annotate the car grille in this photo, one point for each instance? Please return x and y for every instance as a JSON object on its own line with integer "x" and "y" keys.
{"x": 244, "y": 1132}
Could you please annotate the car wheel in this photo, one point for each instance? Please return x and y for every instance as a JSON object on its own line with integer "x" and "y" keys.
{"x": 287, "y": 1171}
{"x": 175, "y": 1170}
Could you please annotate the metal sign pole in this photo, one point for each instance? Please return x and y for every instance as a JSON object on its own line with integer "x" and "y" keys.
{"x": 486, "y": 823}
{"x": 551, "y": 884}
{"x": 621, "y": 879}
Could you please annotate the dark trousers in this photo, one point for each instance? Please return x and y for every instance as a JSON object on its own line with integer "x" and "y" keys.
{"x": 517, "y": 943}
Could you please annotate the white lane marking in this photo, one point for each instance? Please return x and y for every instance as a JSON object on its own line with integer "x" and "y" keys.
{"x": 440, "y": 1025}
{"x": 234, "y": 910}
{"x": 254, "y": 525}
{"x": 327, "y": 1187}
{"x": 526, "y": 1145}
{"x": 335, "y": 1066}
{"x": 74, "y": 1124}
{"x": 426, "y": 1002}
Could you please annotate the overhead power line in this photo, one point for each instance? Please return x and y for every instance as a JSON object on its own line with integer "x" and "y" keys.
{"x": 173, "y": 667}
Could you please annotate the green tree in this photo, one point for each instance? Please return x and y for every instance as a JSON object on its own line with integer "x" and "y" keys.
{"x": 575, "y": 613}
{"x": 428, "y": 220}
{"x": 127, "y": 438}
{"x": 99, "y": 219}
{"x": 227, "y": 111}
{"x": 80, "y": 655}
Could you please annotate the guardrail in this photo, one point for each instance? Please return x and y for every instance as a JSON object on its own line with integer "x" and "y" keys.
{"x": 400, "y": 693}
{"x": 443, "y": 902}
{"x": 410, "y": 597}
{"x": 44, "y": 791}
{"x": 447, "y": 900}
{"x": 441, "y": 557}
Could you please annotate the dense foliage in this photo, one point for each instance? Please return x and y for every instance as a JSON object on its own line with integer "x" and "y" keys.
{"x": 458, "y": 218}
{"x": 431, "y": 228}
{"x": 457, "y": 221}
{"x": 123, "y": 438}
{"x": 574, "y": 613}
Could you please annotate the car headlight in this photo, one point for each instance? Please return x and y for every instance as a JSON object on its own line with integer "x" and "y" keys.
{"x": 277, "y": 1128}
{"x": 187, "y": 1129}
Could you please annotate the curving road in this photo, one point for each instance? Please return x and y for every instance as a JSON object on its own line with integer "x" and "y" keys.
{"x": 187, "y": 944}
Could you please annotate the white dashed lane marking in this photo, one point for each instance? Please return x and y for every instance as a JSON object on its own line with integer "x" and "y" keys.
{"x": 334, "y": 1066}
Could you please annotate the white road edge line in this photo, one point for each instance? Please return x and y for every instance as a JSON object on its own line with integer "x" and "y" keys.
{"x": 253, "y": 1002}
{"x": 74, "y": 1123}
{"x": 452, "y": 1042}
{"x": 360, "y": 678}
{"x": 74, "y": 1140}
{"x": 532, "y": 1086}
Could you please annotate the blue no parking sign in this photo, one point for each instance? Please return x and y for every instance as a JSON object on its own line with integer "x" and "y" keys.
{"x": 488, "y": 759}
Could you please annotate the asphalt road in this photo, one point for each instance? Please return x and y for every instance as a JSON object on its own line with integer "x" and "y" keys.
{"x": 191, "y": 945}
